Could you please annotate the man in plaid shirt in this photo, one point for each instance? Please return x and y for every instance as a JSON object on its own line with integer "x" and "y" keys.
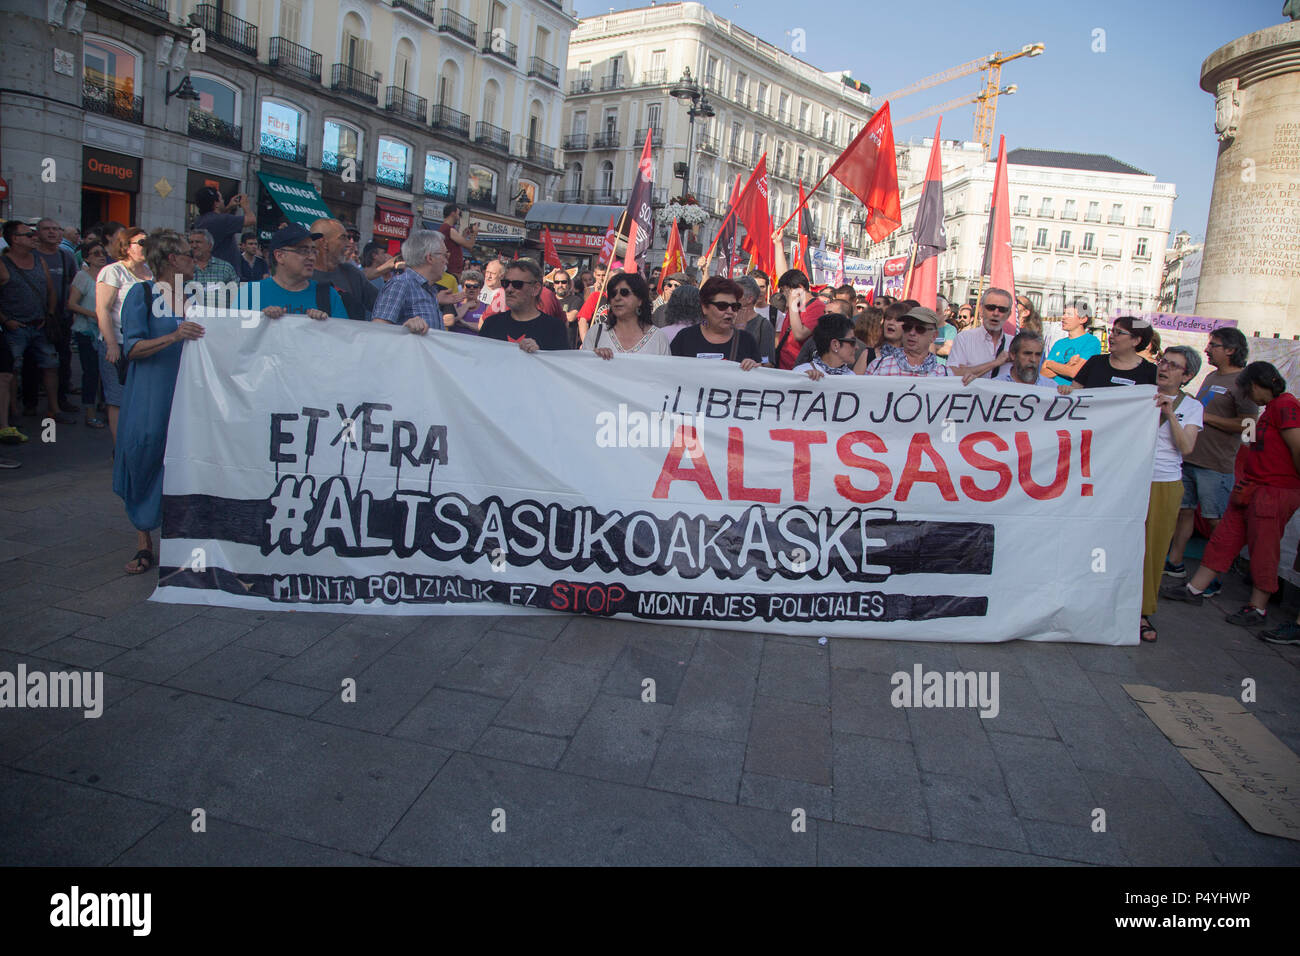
{"x": 920, "y": 326}
{"x": 411, "y": 299}
{"x": 217, "y": 276}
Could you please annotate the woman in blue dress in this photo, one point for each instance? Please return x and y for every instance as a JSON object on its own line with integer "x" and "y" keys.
{"x": 153, "y": 330}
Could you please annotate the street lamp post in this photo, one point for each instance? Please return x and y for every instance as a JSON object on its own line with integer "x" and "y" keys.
{"x": 688, "y": 91}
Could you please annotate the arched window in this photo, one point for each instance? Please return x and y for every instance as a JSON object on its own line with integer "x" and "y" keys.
{"x": 536, "y": 124}
{"x": 1085, "y": 272}
{"x": 449, "y": 85}
{"x": 354, "y": 46}
{"x": 111, "y": 65}
{"x": 575, "y": 179}
{"x": 1038, "y": 269}
{"x": 342, "y": 142}
{"x": 491, "y": 96}
{"x": 393, "y": 164}
{"x": 439, "y": 176}
{"x": 281, "y": 128}
{"x": 1061, "y": 271}
{"x": 216, "y": 97}
{"x": 606, "y": 181}
{"x": 1108, "y": 276}
{"x": 406, "y": 66}
{"x": 482, "y": 191}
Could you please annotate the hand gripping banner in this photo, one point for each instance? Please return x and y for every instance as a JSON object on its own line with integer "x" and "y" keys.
{"x": 352, "y": 467}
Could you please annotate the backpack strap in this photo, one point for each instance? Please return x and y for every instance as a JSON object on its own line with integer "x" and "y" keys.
{"x": 323, "y": 297}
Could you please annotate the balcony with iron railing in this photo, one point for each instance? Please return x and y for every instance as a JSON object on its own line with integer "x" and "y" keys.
{"x": 282, "y": 148}
{"x": 605, "y": 140}
{"x": 1019, "y": 243}
{"x": 453, "y": 24}
{"x": 1115, "y": 220}
{"x": 1141, "y": 257}
{"x": 706, "y": 200}
{"x": 440, "y": 190}
{"x": 1064, "y": 247}
{"x": 291, "y": 58}
{"x": 783, "y": 117}
{"x": 607, "y": 196}
{"x": 1043, "y": 246}
{"x": 659, "y": 196}
{"x": 779, "y": 170}
{"x": 709, "y": 144}
{"x": 583, "y": 84}
{"x": 393, "y": 178}
{"x": 493, "y": 136}
{"x": 156, "y": 8}
{"x": 575, "y": 141}
{"x": 570, "y": 195}
{"x": 212, "y": 129}
{"x": 406, "y": 104}
{"x": 481, "y": 199}
{"x": 656, "y": 136}
{"x": 615, "y": 82}
{"x": 534, "y": 152}
{"x": 421, "y": 8}
{"x": 547, "y": 72}
{"x": 1072, "y": 214}
{"x": 497, "y": 45}
{"x": 1092, "y": 217}
{"x": 345, "y": 79}
{"x": 736, "y": 154}
{"x": 225, "y": 28}
{"x": 740, "y": 98}
{"x": 449, "y": 120}
{"x": 337, "y": 164}
{"x": 1088, "y": 250}
{"x": 112, "y": 101}
{"x": 1146, "y": 223}
{"x": 1021, "y": 211}
{"x": 654, "y": 78}
{"x": 1045, "y": 213}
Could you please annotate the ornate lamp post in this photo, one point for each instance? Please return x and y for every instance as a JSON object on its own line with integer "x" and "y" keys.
{"x": 688, "y": 91}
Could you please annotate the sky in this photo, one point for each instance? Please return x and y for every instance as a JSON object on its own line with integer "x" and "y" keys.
{"x": 1138, "y": 99}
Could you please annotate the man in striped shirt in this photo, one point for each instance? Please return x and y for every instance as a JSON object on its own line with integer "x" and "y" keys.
{"x": 920, "y": 326}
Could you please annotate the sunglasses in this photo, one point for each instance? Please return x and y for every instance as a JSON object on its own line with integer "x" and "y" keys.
{"x": 28, "y": 235}
{"x": 671, "y": 285}
{"x": 998, "y": 308}
{"x": 621, "y": 291}
{"x": 561, "y": 281}
{"x": 911, "y": 325}
{"x": 849, "y": 341}
{"x": 516, "y": 283}
{"x": 474, "y": 285}
{"x": 725, "y": 306}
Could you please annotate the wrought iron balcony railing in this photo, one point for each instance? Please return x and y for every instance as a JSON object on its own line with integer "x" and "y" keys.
{"x": 708, "y": 144}
{"x": 421, "y": 8}
{"x": 534, "y": 152}
{"x": 545, "y": 71}
{"x": 737, "y": 154}
{"x": 608, "y": 197}
{"x": 112, "y": 101}
{"x": 581, "y": 85}
{"x": 393, "y": 178}
{"x": 157, "y": 8}
{"x": 575, "y": 141}
{"x": 289, "y": 57}
{"x": 499, "y": 46}
{"x": 656, "y": 135}
{"x": 406, "y": 104}
{"x": 605, "y": 140}
{"x": 278, "y": 147}
{"x": 450, "y": 120}
{"x": 616, "y": 82}
{"x": 332, "y": 162}
{"x": 225, "y": 28}
{"x": 462, "y": 28}
{"x": 213, "y": 129}
{"x": 481, "y": 199}
{"x": 654, "y": 78}
{"x": 570, "y": 195}
{"x": 493, "y": 136}
{"x": 345, "y": 79}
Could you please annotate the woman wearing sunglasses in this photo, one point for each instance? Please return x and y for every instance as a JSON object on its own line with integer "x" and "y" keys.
{"x": 717, "y": 337}
{"x": 837, "y": 348}
{"x": 1122, "y": 365}
{"x": 627, "y": 326}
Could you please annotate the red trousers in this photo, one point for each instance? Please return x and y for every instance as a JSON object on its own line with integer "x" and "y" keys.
{"x": 1259, "y": 525}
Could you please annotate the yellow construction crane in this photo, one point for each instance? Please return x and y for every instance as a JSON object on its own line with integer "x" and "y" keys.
{"x": 959, "y": 102}
{"x": 986, "y": 100}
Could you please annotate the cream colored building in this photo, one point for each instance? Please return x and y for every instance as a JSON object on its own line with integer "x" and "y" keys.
{"x": 1082, "y": 225}
{"x": 621, "y": 67}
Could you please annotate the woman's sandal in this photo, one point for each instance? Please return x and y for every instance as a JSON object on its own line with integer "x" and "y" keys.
{"x": 143, "y": 561}
{"x": 95, "y": 423}
{"x": 1144, "y": 629}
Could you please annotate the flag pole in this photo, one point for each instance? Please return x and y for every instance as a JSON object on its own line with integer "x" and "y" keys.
{"x": 808, "y": 195}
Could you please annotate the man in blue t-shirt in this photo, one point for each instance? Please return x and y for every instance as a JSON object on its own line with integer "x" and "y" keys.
{"x": 1068, "y": 354}
{"x": 289, "y": 288}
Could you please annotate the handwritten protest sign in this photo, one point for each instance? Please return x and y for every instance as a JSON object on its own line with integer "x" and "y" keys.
{"x": 349, "y": 466}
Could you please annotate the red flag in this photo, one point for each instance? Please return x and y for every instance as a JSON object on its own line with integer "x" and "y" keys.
{"x": 997, "y": 241}
{"x": 928, "y": 236}
{"x": 752, "y": 211}
{"x": 549, "y": 255}
{"x": 674, "y": 257}
{"x": 869, "y": 170}
{"x": 607, "y": 247}
{"x": 640, "y": 223}
{"x": 801, "y": 252}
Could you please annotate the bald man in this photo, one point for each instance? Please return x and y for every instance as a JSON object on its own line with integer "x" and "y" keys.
{"x": 332, "y": 267}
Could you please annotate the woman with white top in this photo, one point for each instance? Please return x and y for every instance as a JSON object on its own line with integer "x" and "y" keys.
{"x": 628, "y": 326}
{"x": 836, "y": 347}
{"x": 1181, "y": 418}
{"x": 126, "y": 249}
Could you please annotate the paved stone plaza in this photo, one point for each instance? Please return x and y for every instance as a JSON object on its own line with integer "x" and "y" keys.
{"x": 240, "y": 714}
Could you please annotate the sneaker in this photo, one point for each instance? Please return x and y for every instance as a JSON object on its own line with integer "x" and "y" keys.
{"x": 1179, "y": 592}
{"x": 1248, "y": 616}
{"x": 1175, "y": 570}
{"x": 12, "y": 436}
{"x": 1213, "y": 588}
{"x": 1288, "y": 633}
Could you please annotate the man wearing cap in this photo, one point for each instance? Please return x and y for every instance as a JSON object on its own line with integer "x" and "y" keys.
{"x": 225, "y": 221}
{"x": 289, "y": 287}
{"x": 981, "y": 351}
{"x": 920, "y": 326}
{"x": 659, "y": 314}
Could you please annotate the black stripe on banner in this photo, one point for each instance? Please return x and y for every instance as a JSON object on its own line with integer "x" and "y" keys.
{"x": 582, "y": 597}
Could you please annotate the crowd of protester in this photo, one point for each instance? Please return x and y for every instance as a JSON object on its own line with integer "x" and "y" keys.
{"x": 120, "y": 296}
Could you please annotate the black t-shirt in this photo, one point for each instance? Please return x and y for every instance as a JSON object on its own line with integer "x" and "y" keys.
{"x": 571, "y": 303}
{"x": 354, "y": 289}
{"x": 691, "y": 343}
{"x": 548, "y": 331}
{"x": 1097, "y": 372}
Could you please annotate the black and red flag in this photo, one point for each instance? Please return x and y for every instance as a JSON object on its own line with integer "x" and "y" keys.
{"x": 640, "y": 219}
{"x": 928, "y": 235}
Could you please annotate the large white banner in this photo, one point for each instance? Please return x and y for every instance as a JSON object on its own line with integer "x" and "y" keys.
{"x": 346, "y": 466}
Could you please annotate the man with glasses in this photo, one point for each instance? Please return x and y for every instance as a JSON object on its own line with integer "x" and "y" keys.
{"x": 718, "y": 336}
{"x": 1067, "y": 355}
{"x": 411, "y": 300}
{"x": 333, "y": 268}
{"x": 659, "y": 314}
{"x": 570, "y": 303}
{"x": 523, "y": 322}
{"x": 289, "y": 287}
{"x": 981, "y": 350}
{"x": 1208, "y": 470}
{"x": 920, "y": 326}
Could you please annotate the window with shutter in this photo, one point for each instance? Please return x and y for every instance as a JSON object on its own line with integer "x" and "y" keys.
{"x": 290, "y": 20}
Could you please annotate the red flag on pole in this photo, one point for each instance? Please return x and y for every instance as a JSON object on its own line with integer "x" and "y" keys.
{"x": 997, "y": 241}
{"x": 801, "y": 250}
{"x": 752, "y": 210}
{"x": 549, "y": 255}
{"x": 869, "y": 170}
{"x": 674, "y": 258}
{"x": 928, "y": 235}
{"x": 640, "y": 223}
{"x": 607, "y": 247}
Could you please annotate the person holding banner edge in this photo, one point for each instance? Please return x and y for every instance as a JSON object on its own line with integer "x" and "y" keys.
{"x": 524, "y": 322}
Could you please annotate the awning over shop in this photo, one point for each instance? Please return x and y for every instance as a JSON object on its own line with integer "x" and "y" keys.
{"x": 393, "y": 220}
{"x": 496, "y": 228}
{"x": 298, "y": 200}
{"x": 571, "y": 214}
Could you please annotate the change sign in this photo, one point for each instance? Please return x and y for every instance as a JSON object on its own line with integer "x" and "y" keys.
{"x": 474, "y": 478}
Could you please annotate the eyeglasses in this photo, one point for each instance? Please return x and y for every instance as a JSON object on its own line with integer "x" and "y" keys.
{"x": 671, "y": 285}
{"x": 621, "y": 291}
{"x": 476, "y": 286}
{"x": 1115, "y": 332}
{"x": 911, "y": 325}
{"x": 725, "y": 306}
{"x": 997, "y": 308}
{"x": 1173, "y": 365}
{"x": 516, "y": 283}
{"x": 28, "y": 235}
{"x": 304, "y": 251}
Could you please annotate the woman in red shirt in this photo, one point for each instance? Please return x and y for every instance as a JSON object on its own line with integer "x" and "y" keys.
{"x": 1265, "y": 497}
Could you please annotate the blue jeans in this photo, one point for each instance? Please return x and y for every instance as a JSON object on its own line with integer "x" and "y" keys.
{"x": 27, "y": 337}
{"x": 89, "y": 356}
